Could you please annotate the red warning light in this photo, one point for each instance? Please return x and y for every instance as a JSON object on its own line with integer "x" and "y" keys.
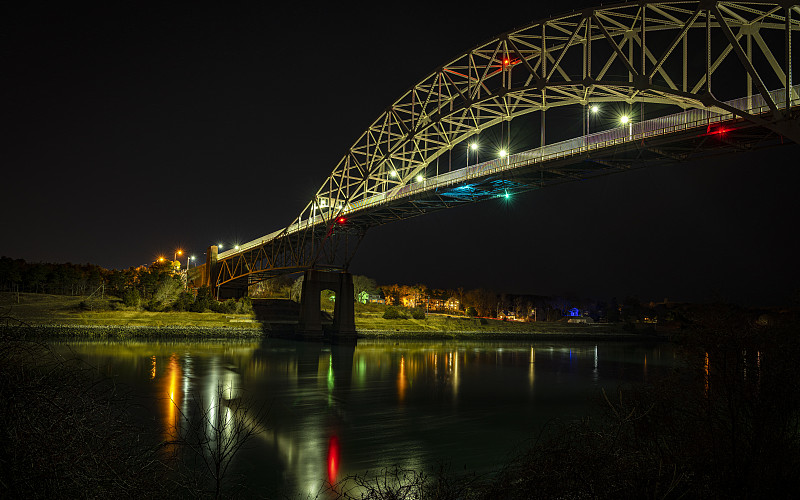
{"x": 341, "y": 220}
{"x": 717, "y": 130}
{"x": 506, "y": 62}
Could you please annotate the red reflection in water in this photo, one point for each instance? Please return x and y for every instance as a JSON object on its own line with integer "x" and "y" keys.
{"x": 333, "y": 459}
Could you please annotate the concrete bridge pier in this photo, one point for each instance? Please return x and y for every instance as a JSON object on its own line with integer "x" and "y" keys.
{"x": 310, "y": 325}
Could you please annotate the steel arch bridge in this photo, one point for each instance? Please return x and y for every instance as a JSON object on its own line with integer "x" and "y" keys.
{"x": 727, "y": 65}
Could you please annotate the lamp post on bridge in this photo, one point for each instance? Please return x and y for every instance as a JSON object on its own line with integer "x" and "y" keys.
{"x": 473, "y": 146}
{"x": 626, "y": 120}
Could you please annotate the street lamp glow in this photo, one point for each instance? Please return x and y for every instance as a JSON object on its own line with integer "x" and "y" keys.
{"x": 594, "y": 109}
{"x": 503, "y": 153}
{"x": 219, "y": 246}
{"x": 236, "y": 247}
{"x": 393, "y": 173}
{"x": 473, "y": 146}
{"x": 420, "y": 178}
{"x": 624, "y": 119}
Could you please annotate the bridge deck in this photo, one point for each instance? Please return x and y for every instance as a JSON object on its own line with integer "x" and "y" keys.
{"x": 462, "y": 178}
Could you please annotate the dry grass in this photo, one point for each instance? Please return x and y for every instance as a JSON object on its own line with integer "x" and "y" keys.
{"x": 43, "y": 309}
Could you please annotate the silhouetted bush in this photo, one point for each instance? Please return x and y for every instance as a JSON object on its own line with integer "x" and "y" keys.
{"x": 183, "y": 302}
{"x": 203, "y": 300}
{"x": 393, "y": 313}
{"x": 132, "y": 298}
{"x": 244, "y": 306}
{"x": 227, "y": 307}
{"x": 418, "y": 313}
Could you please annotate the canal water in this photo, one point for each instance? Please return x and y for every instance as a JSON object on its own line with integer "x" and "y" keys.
{"x": 331, "y": 411}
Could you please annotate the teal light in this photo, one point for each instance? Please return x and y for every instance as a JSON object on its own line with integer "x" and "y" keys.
{"x": 507, "y": 195}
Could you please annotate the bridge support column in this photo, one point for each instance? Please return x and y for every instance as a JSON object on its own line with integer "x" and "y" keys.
{"x": 310, "y": 324}
{"x": 344, "y": 311}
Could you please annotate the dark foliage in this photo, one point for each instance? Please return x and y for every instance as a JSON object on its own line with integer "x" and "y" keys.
{"x": 418, "y": 313}
{"x": 393, "y": 313}
{"x": 64, "y": 433}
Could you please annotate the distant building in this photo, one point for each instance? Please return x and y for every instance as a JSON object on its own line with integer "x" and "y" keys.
{"x": 370, "y": 298}
{"x": 505, "y": 314}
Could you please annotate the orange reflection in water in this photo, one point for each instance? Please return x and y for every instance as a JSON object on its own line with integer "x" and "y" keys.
{"x": 706, "y": 376}
{"x": 401, "y": 380}
{"x": 174, "y": 393}
{"x": 153, "y": 368}
{"x": 333, "y": 459}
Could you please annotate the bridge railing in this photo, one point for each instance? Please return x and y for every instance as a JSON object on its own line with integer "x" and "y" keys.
{"x": 689, "y": 119}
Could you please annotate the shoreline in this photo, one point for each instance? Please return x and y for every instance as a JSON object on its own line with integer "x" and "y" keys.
{"x": 257, "y": 331}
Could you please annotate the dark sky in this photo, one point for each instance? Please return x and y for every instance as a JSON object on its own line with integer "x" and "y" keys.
{"x": 134, "y": 128}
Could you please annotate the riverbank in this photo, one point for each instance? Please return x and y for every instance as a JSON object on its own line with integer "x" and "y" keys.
{"x": 62, "y": 316}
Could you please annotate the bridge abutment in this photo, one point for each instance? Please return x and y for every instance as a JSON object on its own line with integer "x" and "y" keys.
{"x": 310, "y": 324}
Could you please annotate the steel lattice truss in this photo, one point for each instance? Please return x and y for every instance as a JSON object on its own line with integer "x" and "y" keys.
{"x": 652, "y": 52}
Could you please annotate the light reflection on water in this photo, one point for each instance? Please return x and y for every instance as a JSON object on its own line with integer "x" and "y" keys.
{"x": 338, "y": 410}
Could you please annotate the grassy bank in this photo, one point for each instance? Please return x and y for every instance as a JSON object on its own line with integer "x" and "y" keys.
{"x": 102, "y": 317}
{"x": 47, "y": 310}
{"x": 370, "y": 323}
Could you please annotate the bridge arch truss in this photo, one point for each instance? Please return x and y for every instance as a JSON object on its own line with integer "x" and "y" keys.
{"x": 690, "y": 54}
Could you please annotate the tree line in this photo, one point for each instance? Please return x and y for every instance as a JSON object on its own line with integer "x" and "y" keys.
{"x": 157, "y": 287}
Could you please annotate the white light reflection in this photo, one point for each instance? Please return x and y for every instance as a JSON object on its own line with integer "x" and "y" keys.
{"x": 187, "y": 375}
{"x": 455, "y": 376}
{"x": 532, "y": 367}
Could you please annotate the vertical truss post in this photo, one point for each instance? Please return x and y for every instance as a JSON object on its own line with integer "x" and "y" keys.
{"x": 685, "y": 61}
{"x": 788, "y": 54}
{"x": 643, "y": 71}
{"x": 708, "y": 50}
{"x": 749, "y": 77}
{"x": 588, "y": 61}
{"x": 544, "y": 88}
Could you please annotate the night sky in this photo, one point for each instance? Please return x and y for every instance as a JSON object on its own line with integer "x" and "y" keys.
{"x": 135, "y": 128}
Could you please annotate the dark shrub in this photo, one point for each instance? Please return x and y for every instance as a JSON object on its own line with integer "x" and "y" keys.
{"x": 418, "y": 313}
{"x": 393, "y": 313}
{"x": 132, "y": 298}
{"x": 244, "y": 306}
{"x": 154, "y": 306}
{"x": 203, "y": 300}
{"x": 183, "y": 302}
{"x": 227, "y": 307}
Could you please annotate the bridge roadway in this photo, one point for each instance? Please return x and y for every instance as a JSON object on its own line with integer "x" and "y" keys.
{"x": 673, "y": 137}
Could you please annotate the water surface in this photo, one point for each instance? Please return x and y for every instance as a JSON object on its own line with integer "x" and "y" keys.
{"x": 338, "y": 410}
